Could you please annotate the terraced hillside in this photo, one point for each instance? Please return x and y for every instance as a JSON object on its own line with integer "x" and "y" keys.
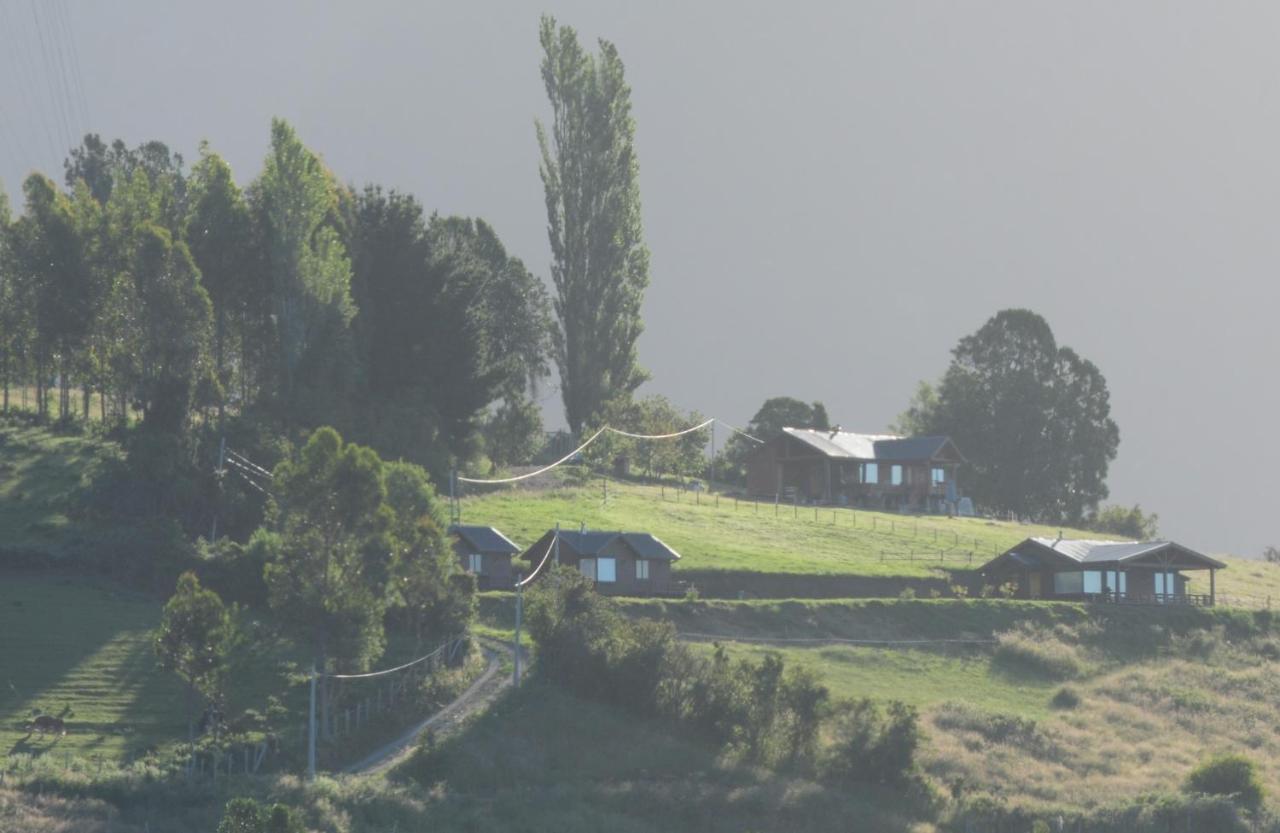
{"x": 723, "y": 540}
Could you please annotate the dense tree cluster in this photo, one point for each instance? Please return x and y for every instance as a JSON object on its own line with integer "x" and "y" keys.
{"x": 761, "y": 712}
{"x": 1032, "y": 417}
{"x": 175, "y": 296}
{"x": 776, "y": 413}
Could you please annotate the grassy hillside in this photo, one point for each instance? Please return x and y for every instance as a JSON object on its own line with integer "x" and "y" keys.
{"x": 83, "y": 651}
{"x": 40, "y": 476}
{"x": 1155, "y": 690}
{"x": 545, "y": 760}
{"x": 732, "y": 536}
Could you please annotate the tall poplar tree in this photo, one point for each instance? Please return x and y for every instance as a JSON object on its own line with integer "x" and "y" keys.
{"x": 218, "y": 233}
{"x": 310, "y": 269}
{"x": 600, "y": 265}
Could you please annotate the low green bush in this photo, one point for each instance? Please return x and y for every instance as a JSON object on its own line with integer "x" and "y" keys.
{"x": 1233, "y": 776}
{"x": 1065, "y": 698}
{"x": 1037, "y": 652}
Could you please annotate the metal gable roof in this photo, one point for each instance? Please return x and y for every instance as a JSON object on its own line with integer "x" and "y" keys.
{"x": 850, "y": 446}
{"x": 590, "y": 543}
{"x": 485, "y": 539}
{"x": 1093, "y": 552}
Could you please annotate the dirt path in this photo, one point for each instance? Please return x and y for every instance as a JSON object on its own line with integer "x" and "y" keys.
{"x": 476, "y": 698}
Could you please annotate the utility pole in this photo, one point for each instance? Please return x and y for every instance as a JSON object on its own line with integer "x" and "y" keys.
{"x": 222, "y": 460}
{"x": 455, "y": 511}
{"x": 311, "y": 732}
{"x": 713, "y": 455}
{"x": 519, "y": 615}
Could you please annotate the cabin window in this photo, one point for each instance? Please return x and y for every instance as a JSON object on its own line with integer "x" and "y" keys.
{"x": 939, "y": 476}
{"x": 606, "y": 569}
{"x": 475, "y": 563}
{"x": 1166, "y": 584}
{"x": 1092, "y": 581}
{"x": 895, "y": 475}
{"x": 587, "y": 566}
{"x": 870, "y": 473}
{"x": 642, "y": 569}
{"x": 1065, "y": 583}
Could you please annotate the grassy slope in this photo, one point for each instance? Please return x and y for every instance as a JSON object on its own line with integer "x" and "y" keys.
{"x": 544, "y": 760}
{"x": 83, "y": 650}
{"x": 40, "y": 474}
{"x": 839, "y": 542}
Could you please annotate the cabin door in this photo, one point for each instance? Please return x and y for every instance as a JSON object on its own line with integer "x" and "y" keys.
{"x": 1033, "y": 586}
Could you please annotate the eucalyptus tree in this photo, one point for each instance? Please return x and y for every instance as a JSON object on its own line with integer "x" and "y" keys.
{"x": 1032, "y": 417}
{"x": 309, "y": 267}
{"x": 219, "y": 234}
{"x": 590, "y": 177}
{"x": 48, "y": 255}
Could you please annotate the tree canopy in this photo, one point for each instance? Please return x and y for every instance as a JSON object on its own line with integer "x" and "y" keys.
{"x": 1032, "y": 417}
{"x": 599, "y": 263}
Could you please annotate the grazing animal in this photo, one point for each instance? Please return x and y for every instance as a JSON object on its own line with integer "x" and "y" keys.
{"x": 46, "y": 724}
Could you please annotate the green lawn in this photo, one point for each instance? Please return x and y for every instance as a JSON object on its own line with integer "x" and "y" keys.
{"x": 922, "y": 677}
{"x": 40, "y": 476}
{"x": 83, "y": 651}
{"x": 729, "y": 535}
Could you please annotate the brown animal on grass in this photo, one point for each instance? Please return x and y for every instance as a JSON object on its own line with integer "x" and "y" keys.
{"x": 47, "y": 724}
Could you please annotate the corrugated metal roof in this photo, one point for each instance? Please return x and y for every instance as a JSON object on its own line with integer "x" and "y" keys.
{"x": 1092, "y": 552}
{"x": 485, "y": 539}
{"x": 850, "y": 446}
{"x": 591, "y": 542}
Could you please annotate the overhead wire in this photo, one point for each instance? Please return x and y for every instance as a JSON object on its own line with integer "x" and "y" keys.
{"x": 27, "y": 76}
{"x": 59, "y": 103}
{"x": 541, "y": 564}
{"x": 566, "y": 458}
{"x": 387, "y": 671}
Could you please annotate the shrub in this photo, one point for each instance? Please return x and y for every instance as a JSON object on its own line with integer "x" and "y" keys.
{"x": 1011, "y": 730}
{"x": 244, "y": 815}
{"x": 1065, "y": 698}
{"x": 1227, "y": 775}
{"x": 874, "y": 746}
{"x": 1030, "y": 650}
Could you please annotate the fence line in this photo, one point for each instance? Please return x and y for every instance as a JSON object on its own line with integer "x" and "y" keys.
{"x": 770, "y": 640}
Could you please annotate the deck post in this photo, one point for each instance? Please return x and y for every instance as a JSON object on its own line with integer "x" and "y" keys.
{"x": 1212, "y": 588}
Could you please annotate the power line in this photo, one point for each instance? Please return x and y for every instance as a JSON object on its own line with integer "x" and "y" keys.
{"x": 26, "y": 77}
{"x": 46, "y": 65}
{"x": 387, "y": 671}
{"x": 73, "y": 60}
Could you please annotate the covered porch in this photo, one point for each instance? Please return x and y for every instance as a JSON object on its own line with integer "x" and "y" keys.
{"x": 1104, "y": 572}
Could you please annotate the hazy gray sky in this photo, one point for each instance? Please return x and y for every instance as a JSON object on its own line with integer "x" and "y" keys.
{"x": 834, "y": 193}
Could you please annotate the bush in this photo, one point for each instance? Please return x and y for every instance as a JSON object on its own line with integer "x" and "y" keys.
{"x": 873, "y": 746}
{"x": 1031, "y": 650}
{"x": 244, "y": 815}
{"x": 763, "y": 712}
{"x": 1065, "y": 698}
{"x": 1233, "y": 776}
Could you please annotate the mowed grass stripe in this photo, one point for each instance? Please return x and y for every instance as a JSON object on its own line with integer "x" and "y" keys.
{"x": 711, "y": 537}
{"x": 83, "y": 652}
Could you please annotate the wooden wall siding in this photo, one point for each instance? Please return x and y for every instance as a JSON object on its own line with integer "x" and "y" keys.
{"x": 627, "y": 584}
{"x": 785, "y": 463}
{"x": 495, "y": 573}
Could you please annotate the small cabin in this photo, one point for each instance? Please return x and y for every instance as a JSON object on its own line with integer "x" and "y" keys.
{"x": 1122, "y": 572}
{"x": 878, "y": 471}
{"x": 620, "y": 563}
{"x": 485, "y": 552}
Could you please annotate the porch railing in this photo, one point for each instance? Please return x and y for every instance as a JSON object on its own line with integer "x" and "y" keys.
{"x": 1188, "y": 599}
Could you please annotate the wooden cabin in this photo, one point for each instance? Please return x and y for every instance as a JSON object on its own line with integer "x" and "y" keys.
{"x": 620, "y": 563}
{"x": 880, "y": 471}
{"x": 1135, "y": 572}
{"x": 485, "y": 552}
